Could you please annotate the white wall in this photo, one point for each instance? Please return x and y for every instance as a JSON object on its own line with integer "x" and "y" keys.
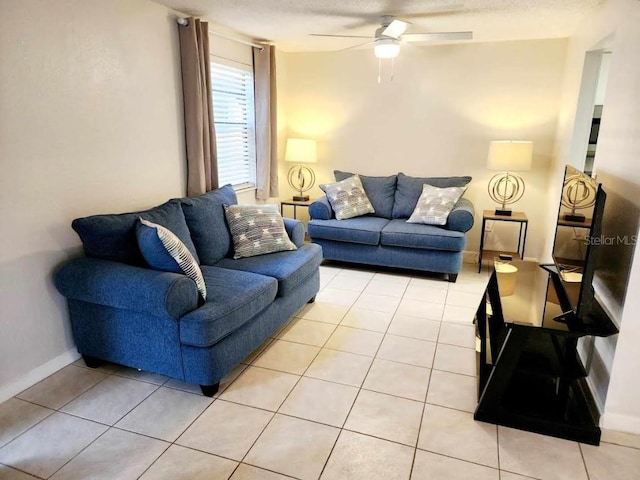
{"x": 90, "y": 122}
{"x": 615, "y": 25}
{"x": 618, "y": 153}
{"x": 603, "y": 78}
{"x": 435, "y": 119}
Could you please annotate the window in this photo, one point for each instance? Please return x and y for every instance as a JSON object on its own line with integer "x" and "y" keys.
{"x": 234, "y": 117}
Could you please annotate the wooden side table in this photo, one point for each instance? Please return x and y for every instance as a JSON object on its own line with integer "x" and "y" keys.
{"x": 295, "y": 204}
{"x": 517, "y": 217}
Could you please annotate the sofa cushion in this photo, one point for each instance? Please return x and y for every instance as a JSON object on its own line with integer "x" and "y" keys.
{"x": 348, "y": 198}
{"x": 234, "y": 297}
{"x": 256, "y": 230}
{"x": 380, "y": 190}
{"x": 165, "y": 252}
{"x": 435, "y": 204}
{"x": 288, "y": 268}
{"x": 365, "y": 230}
{"x": 205, "y": 217}
{"x": 399, "y": 233}
{"x": 113, "y": 237}
{"x": 409, "y": 189}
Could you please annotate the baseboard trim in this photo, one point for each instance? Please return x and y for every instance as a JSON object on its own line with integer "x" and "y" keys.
{"x": 620, "y": 423}
{"x": 470, "y": 256}
{"x": 39, "y": 373}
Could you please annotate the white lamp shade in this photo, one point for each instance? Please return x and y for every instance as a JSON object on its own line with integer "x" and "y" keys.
{"x": 386, "y": 48}
{"x": 301, "y": 150}
{"x": 510, "y": 155}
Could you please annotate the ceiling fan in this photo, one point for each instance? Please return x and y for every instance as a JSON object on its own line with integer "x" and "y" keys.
{"x": 391, "y": 32}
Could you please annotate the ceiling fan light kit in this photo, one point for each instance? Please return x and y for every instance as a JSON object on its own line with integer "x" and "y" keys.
{"x": 386, "y": 48}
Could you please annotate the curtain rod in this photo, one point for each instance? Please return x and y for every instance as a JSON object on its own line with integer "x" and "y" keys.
{"x": 184, "y": 22}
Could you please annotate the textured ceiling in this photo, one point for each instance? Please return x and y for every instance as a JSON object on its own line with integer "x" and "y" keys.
{"x": 287, "y": 23}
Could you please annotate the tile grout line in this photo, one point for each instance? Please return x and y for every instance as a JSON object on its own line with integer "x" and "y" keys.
{"x": 498, "y": 450}
{"x": 335, "y": 326}
{"x": 341, "y": 428}
{"x": 54, "y": 410}
{"x": 584, "y": 462}
{"x": 109, "y": 427}
{"x": 21, "y": 471}
{"x": 362, "y": 383}
{"x": 172, "y": 443}
{"x": 288, "y": 394}
{"x": 426, "y": 396}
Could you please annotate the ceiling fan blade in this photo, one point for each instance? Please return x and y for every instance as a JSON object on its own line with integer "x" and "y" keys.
{"x": 355, "y": 46}
{"x": 339, "y": 36}
{"x": 395, "y": 29}
{"x": 439, "y": 36}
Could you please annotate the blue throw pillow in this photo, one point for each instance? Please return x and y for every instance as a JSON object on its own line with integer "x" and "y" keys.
{"x": 409, "y": 190}
{"x": 113, "y": 237}
{"x": 165, "y": 252}
{"x": 381, "y": 191}
{"x": 206, "y": 220}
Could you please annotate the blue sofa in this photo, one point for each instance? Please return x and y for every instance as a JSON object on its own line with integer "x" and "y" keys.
{"x": 124, "y": 312}
{"x": 385, "y": 238}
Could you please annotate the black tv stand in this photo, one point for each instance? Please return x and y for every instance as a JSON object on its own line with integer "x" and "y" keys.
{"x": 531, "y": 376}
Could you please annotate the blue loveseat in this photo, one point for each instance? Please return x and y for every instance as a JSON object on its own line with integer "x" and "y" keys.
{"x": 124, "y": 312}
{"x": 385, "y": 238}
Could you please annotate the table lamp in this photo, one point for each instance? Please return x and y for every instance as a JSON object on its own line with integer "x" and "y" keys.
{"x": 508, "y": 156}
{"x": 301, "y": 177}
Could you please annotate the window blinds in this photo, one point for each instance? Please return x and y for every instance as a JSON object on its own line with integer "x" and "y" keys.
{"x": 234, "y": 116}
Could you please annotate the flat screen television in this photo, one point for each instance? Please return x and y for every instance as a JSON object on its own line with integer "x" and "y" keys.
{"x": 577, "y": 239}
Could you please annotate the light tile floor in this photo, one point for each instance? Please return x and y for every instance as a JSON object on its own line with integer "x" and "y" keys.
{"x": 376, "y": 380}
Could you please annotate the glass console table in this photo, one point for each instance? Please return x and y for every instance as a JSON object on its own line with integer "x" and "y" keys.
{"x": 530, "y": 375}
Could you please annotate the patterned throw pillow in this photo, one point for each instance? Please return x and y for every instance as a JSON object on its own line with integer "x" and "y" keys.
{"x": 165, "y": 252}
{"x": 256, "y": 230}
{"x": 435, "y": 204}
{"x": 348, "y": 198}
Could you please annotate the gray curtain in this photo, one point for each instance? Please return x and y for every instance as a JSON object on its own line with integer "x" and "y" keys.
{"x": 264, "y": 68}
{"x": 202, "y": 163}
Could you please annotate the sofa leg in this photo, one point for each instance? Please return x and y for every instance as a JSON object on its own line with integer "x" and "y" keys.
{"x": 209, "y": 390}
{"x": 453, "y": 277}
{"x": 313, "y": 299}
{"x": 92, "y": 362}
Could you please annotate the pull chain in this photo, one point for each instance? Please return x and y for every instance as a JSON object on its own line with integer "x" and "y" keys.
{"x": 380, "y": 70}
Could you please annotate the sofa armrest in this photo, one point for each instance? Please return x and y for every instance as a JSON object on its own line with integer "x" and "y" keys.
{"x": 123, "y": 286}
{"x": 462, "y": 216}
{"x": 321, "y": 209}
{"x": 295, "y": 230}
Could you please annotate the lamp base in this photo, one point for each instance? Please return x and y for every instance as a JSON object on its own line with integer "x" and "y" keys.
{"x": 576, "y": 217}
{"x": 301, "y": 198}
{"x": 502, "y": 212}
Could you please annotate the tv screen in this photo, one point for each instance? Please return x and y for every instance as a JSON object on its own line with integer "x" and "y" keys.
{"x": 574, "y": 249}
{"x": 620, "y": 227}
